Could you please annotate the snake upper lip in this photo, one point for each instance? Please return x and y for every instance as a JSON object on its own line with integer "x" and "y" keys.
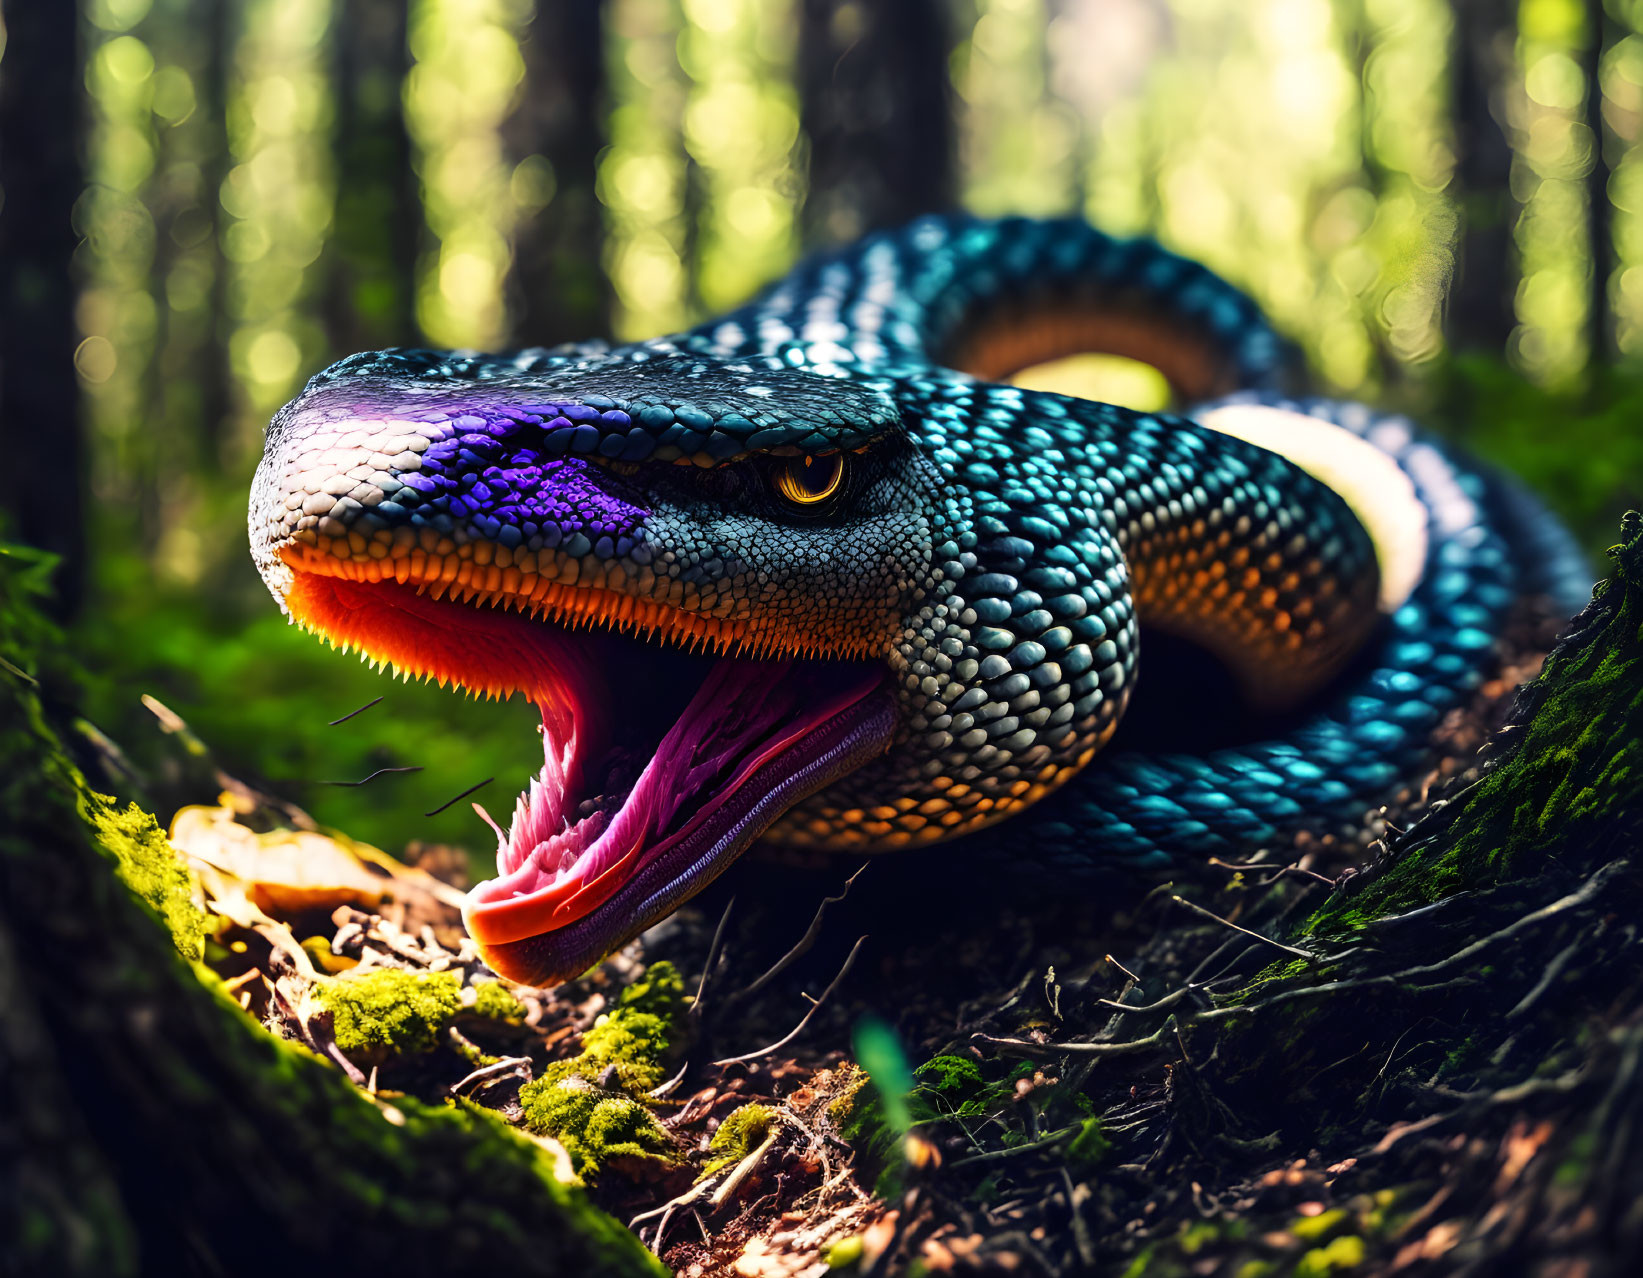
{"x": 658, "y": 768}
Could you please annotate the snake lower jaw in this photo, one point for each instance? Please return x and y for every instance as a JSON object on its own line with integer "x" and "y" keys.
{"x": 516, "y": 918}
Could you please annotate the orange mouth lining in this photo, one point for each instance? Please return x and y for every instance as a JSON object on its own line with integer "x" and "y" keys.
{"x": 548, "y": 587}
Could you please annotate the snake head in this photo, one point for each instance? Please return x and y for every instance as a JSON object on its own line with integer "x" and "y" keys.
{"x": 698, "y": 570}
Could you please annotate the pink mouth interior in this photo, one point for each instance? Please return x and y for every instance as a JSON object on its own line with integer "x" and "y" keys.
{"x": 658, "y": 767}
{"x": 556, "y": 866}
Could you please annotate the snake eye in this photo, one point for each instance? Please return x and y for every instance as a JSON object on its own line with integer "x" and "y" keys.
{"x": 809, "y": 481}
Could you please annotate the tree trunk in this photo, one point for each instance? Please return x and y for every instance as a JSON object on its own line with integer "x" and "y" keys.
{"x": 150, "y": 1127}
{"x": 42, "y": 480}
{"x": 371, "y": 302}
{"x": 876, "y": 107}
{"x": 560, "y": 290}
{"x": 1481, "y": 315}
{"x": 1599, "y": 211}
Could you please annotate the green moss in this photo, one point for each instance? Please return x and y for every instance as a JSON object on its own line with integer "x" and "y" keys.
{"x": 389, "y": 1012}
{"x": 593, "y": 1123}
{"x": 742, "y": 1131}
{"x": 1317, "y": 1228}
{"x": 1578, "y": 760}
{"x": 637, "y": 1035}
{"x": 1089, "y": 1146}
{"x": 594, "y": 1104}
{"x": 1346, "y": 1252}
{"x": 149, "y": 866}
{"x": 493, "y": 1002}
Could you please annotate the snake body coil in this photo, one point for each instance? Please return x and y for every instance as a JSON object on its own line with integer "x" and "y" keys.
{"x": 921, "y": 596}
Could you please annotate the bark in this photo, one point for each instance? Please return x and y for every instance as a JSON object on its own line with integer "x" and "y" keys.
{"x": 42, "y": 481}
{"x": 876, "y": 107}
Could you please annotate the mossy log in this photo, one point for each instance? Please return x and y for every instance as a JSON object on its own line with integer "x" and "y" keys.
{"x": 148, "y": 1126}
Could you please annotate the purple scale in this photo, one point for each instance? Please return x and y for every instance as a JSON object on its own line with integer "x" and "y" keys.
{"x": 581, "y": 413}
{"x": 469, "y": 422}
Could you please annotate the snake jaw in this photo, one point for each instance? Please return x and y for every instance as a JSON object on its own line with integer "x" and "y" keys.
{"x": 634, "y": 808}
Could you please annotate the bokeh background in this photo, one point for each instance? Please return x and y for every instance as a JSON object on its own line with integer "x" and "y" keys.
{"x": 205, "y": 201}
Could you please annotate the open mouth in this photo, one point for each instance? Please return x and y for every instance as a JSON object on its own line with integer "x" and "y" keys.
{"x": 660, "y": 765}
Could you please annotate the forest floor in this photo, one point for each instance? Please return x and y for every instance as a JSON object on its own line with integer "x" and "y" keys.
{"x": 1048, "y": 1088}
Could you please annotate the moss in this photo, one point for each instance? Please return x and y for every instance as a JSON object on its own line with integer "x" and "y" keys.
{"x": 594, "y": 1104}
{"x": 637, "y": 1035}
{"x": 742, "y": 1131}
{"x": 594, "y": 1123}
{"x": 1317, "y": 1228}
{"x": 1141, "y": 1265}
{"x": 1089, "y": 1146}
{"x": 493, "y": 1002}
{"x": 1346, "y": 1252}
{"x": 149, "y": 866}
{"x": 1578, "y": 760}
{"x": 390, "y": 1011}
{"x": 402, "y": 1013}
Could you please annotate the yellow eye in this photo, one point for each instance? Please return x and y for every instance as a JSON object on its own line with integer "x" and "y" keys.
{"x": 807, "y": 481}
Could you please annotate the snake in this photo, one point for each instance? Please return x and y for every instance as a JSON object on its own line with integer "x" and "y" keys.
{"x": 826, "y": 573}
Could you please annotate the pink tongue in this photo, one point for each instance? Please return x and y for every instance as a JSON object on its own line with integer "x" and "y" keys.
{"x": 744, "y": 713}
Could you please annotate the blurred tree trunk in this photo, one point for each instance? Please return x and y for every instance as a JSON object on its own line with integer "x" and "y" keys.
{"x": 187, "y": 383}
{"x": 42, "y": 480}
{"x": 1481, "y": 315}
{"x": 876, "y": 107}
{"x": 371, "y": 297}
{"x": 216, "y": 400}
{"x": 1599, "y": 212}
{"x": 561, "y": 292}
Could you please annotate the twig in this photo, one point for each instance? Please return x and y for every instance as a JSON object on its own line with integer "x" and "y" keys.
{"x": 805, "y": 941}
{"x": 1292, "y": 868}
{"x": 1026, "y": 1047}
{"x": 1081, "y": 1229}
{"x": 820, "y": 1146}
{"x": 1308, "y": 955}
{"x": 712, "y": 957}
{"x": 1167, "y": 1001}
{"x": 472, "y": 789}
{"x": 1126, "y": 971}
{"x": 667, "y": 1088}
{"x": 374, "y": 701}
{"x": 814, "y": 1008}
{"x": 348, "y": 1067}
{"x": 1554, "y": 969}
{"x": 742, "y": 1170}
{"x": 415, "y": 767}
{"x": 496, "y": 1069}
{"x": 993, "y": 1155}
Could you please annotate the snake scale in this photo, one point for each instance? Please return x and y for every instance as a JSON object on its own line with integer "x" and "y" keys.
{"x": 817, "y": 571}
